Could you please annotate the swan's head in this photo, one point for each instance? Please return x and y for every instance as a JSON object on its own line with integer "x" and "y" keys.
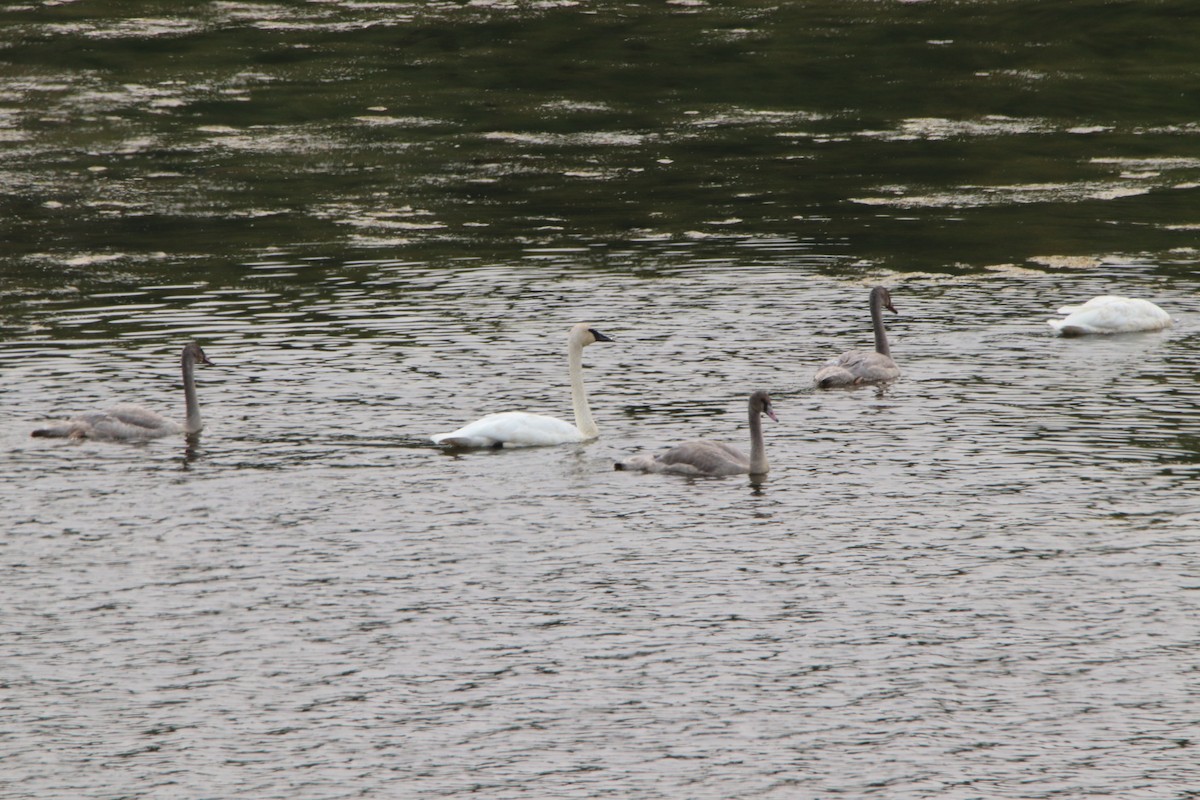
{"x": 760, "y": 403}
{"x": 192, "y": 352}
{"x": 884, "y": 298}
{"x": 584, "y": 334}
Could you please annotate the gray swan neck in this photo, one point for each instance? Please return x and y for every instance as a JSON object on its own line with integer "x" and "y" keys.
{"x": 758, "y": 453}
{"x": 881, "y": 342}
{"x": 193, "y": 423}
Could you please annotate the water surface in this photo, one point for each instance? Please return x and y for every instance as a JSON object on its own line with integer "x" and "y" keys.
{"x": 381, "y": 220}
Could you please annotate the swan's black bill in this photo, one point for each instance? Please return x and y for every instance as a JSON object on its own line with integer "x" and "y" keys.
{"x": 600, "y": 337}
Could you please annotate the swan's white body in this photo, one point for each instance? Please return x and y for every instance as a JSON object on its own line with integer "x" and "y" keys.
{"x": 1111, "y": 314}
{"x": 514, "y": 429}
{"x": 522, "y": 429}
{"x": 861, "y": 367}
{"x": 129, "y": 423}
{"x": 705, "y": 458}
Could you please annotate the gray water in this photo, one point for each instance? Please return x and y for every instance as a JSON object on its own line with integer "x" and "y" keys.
{"x": 380, "y": 220}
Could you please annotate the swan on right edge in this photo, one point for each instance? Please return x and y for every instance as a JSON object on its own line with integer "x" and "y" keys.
{"x": 703, "y": 457}
{"x": 1111, "y": 314}
{"x": 129, "y": 423}
{"x": 858, "y": 367}
{"x": 522, "y": 429}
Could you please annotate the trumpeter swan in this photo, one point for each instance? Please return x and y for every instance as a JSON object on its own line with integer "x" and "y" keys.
{"x": 522, "y": 429}
{"x": 1110, "y": 314}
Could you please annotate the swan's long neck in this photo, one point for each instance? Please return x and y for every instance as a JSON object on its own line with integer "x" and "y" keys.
{"x": 193, "y": 424}
{"x": 579, "y": 401}
{"x": 758, "y": 453}
{"x": 881, "y": 342}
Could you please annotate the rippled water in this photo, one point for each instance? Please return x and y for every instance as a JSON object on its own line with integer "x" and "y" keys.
{"x": 979, "y": 582}
{"x": 381, "y": 219}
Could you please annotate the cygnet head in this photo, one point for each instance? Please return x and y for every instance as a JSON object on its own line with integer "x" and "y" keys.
{"x": 885, "y": 298}
{"x": 584, "y": 334}
{"x": 760, "y": 403}
{"x": 193, "y": 352}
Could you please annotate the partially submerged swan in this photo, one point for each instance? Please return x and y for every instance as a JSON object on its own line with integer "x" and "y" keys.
{"x": 130, "y": 423}
{"x": 522, "y": 429}
{"x": 703, "y": 457}
{"x": 1110, "y": 314}
{"x": 857, "y": 367}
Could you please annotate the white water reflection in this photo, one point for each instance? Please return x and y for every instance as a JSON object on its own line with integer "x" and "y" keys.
{"x": 977, "y": 196}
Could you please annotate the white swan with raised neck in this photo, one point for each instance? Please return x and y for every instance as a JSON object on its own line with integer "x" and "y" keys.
{"x": 523, "y": 429}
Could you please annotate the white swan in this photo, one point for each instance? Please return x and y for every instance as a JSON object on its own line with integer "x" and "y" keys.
{"x": 1110, "y": 314}
{"x": 857, "y": 367}
{"x": 703, "y": 457}
{"x": 522, "y": 429}
{"x": 129, "y": 423}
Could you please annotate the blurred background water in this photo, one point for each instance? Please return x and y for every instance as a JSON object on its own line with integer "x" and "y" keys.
{"x": 380, "y": 219}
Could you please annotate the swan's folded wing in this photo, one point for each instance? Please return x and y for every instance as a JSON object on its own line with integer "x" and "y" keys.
{"x": 130, "y": 423}
{"x": 1099, "y": 300}
{"x": 876, "y": 367}
{"x": 122, "y": 423}
{"x": 705, "y": 458}
{"x": 840, "y": 361}
{"x": 139, "y": 417}
{"x": 857, "y": 366}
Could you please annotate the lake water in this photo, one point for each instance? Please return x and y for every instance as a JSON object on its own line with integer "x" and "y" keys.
{"x": 381, "y": 219}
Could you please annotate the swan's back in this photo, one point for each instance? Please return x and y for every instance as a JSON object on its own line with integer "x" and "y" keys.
{"x": 856, "y": 367}
{"x": 1111, "y": 314}
{"x": 511, "y": 429}
{"x": 125, "y": 423}
{"x": 700, "y": 457}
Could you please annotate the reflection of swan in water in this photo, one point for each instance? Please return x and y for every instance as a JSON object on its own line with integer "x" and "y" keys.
{"x": 703, "y": 457}
{"x": 131, "y": 423}
{"x": 858, "y": 367}
{"x": 522, "y": 429}
{"x": 1110, "y": 314}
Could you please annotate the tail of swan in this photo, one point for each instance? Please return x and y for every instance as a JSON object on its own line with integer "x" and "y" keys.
{"x": 60, "y": 432}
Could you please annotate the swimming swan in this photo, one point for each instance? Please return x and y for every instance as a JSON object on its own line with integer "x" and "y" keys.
{"x": 713, "y": 458}
{"x": 857, "y": 367}
{"x": 522, "y": 429}
{"x": 129, "y": 423}
{"x": 1110, "y": 314}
